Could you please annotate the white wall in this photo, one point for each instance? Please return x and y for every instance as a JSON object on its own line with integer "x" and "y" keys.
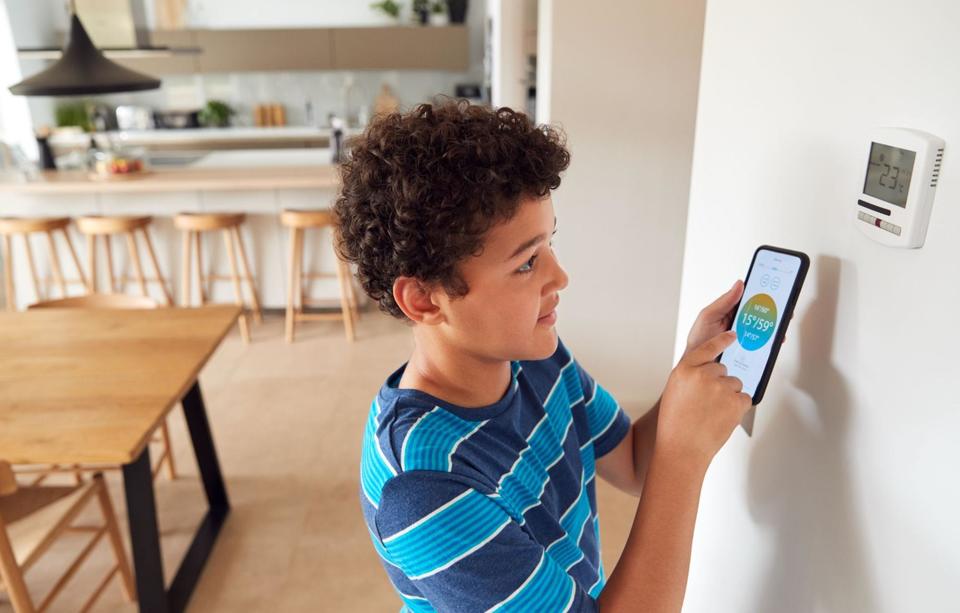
{"x": 621, "y": 79}
{"x": 508, "y": 62}
{"x": 846, "y": 498}
{"x": 14, "y": 112}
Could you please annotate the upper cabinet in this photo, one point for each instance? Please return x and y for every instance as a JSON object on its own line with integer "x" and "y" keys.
{"x": 263, "y": 50}
{"x": 260, "y": 50}
{"x": 401, "y": 48}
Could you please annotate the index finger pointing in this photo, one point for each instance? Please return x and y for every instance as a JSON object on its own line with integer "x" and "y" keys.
{"x": 709, "y": 350}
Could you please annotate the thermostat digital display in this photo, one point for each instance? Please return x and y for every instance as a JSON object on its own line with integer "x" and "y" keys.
{"x": 899, "y": 183}
{"x": 888, "y": 173}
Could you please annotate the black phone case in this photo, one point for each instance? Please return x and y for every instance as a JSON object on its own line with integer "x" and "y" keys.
{"x": 787, "y": 314}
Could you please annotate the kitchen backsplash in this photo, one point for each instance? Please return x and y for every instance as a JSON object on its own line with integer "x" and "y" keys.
{"x": 325, "y": 92}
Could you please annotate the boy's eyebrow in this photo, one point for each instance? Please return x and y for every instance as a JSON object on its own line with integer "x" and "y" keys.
{"x": 530, "y": 243}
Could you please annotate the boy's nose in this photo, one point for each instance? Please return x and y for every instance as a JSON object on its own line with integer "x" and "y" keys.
{"x": 561, "y": 275}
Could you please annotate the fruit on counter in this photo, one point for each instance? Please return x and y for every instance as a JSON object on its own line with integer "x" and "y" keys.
{"x": 119, "y": 166}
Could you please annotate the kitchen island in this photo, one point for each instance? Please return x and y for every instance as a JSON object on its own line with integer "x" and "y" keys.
{"x": 256, "y": 182}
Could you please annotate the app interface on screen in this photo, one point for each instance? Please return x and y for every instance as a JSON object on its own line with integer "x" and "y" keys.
{"x": 760, "y": 315}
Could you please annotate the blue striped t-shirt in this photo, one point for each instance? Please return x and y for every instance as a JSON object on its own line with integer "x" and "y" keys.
{"x": 491, "y": 508}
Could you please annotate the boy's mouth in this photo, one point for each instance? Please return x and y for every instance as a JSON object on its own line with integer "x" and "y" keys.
{"x": 551, "y": 315}
{"x": 549, "y": 319}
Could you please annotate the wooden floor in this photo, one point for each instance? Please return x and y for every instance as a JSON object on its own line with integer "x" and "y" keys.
{"x": 288, "y": 422}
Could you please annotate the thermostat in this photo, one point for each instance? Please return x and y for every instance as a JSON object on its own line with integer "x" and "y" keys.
{"x": 900, "y": 181}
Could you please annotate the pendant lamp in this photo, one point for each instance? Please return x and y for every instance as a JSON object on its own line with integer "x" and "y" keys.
{"x": 82, "y": 70}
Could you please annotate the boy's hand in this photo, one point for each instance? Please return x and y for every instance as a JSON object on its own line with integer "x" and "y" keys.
{"x": 701, "y": 405}
{"x": 715, "y": 318}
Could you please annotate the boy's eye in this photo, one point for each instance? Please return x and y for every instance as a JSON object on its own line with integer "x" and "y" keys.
{"x": 528, "y": 266}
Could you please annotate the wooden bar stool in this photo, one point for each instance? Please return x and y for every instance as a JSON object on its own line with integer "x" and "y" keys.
{"x": 192, "y": 225}
{"x": 95, "y": 227}
{"x": 10, "y": 227}
{"x": 298, "y": 221}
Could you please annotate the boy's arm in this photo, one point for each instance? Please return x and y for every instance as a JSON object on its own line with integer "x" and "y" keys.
{"x": 625, "y": 467}
{"x": 651, "y": 574}
{"x": 701, "y": 406}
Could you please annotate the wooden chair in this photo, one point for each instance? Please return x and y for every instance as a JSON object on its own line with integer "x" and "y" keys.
{"x": 32, "y": 518}
{"x": 193, "y": 225}
{"x": 95, "y": 227}
{"x": 24, "y": 227}
{"x": 109, "y": 301}
{"x": 298, "y": 221}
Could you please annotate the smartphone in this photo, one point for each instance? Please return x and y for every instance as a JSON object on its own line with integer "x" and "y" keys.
{"x": 761, "y": 318}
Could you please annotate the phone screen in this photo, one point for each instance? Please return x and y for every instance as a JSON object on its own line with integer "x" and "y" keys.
{"x": 759, "y": 316}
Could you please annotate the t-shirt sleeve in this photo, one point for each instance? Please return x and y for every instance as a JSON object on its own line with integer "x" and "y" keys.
{"x": 608, "y": 422}
{"x": 464, "y": 552}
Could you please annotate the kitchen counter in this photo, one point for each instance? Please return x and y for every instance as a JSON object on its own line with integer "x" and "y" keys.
{"x": 256, "y": 182}
{"x": 204, "y": 138}
{"x": 176, "y": 180}
{"x": 218, "y": 171}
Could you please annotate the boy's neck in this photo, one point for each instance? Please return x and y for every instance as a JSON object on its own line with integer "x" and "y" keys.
{"x": 463, "y": 379}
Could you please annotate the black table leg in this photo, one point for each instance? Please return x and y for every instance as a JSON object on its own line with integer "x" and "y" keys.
{"x": 219, "y": 506}
{"x": 144, "y": 535}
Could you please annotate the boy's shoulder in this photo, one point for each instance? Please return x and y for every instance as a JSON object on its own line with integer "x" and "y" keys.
{"x": 418, "y": 431}
{"x": 403, "y": 407}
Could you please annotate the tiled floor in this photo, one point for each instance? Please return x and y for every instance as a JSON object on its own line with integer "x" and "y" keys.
{"x": 287, "y": 421}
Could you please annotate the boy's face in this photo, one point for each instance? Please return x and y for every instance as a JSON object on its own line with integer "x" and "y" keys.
{"x": 513, "y": 283}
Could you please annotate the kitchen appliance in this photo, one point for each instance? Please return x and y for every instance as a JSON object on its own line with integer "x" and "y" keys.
{"x": 130, "y": 117}
{"x": 177, "y": 119}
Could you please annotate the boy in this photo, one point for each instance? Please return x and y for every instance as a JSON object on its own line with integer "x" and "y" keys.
{"x": 478, "y": 464}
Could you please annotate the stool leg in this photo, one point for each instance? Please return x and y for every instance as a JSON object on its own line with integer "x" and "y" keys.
{"x": 8, "y": 273}
{"x": 245, "y": 268}
{"x": 301, "y": 234}
{"x": 108, "y": 248}
{"x": 202, "y": 288}
{"x": 244, "y": 329}
{"x": 91, "y": 263}
{"x": 73, "y": 256}
{"x": 354, "y": 307}
{"x": 33, "y": 267}
{"x": 185, "y": 269}
{"x": 165, "y": 433}
{"x": 55, "y": 265}
{"x": 156, "y": 267}
{"x": 291, "y": 285}
{"x": 345, "y": 302}
{"x": 135, "y": 258}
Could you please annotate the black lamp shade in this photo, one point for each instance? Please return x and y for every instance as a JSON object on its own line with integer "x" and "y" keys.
{"x": 83, "y": 69}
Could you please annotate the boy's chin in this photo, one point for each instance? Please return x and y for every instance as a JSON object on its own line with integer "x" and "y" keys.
{"x": 544, "y": 346}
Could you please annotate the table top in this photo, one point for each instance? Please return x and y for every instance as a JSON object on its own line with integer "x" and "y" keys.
{"x": 201, "y": 178}
{"x": 90, "y": 385}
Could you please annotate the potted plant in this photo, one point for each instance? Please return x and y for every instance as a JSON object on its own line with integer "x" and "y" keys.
{"x": 387, "y": 7}
{"x": 216, "y": 114}
{"x": 457, "y": 9}
{"x": 438, "y": 13}
{"x": 421, "y": 9}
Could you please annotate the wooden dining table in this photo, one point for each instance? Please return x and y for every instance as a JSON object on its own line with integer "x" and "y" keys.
{"x": 81, "y": 386}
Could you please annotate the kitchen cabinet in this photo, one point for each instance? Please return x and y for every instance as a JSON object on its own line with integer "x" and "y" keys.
{"x": 401, "y": 48}
{"x": 260, "y": 50}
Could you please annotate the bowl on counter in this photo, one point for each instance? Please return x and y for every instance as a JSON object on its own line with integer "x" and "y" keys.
{"x": 122, "y": 163}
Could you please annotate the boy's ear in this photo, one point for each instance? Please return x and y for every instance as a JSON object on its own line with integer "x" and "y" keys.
{"x": 415, "y": 299}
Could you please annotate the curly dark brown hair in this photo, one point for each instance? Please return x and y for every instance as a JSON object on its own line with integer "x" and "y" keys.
{"x": 420, "y": 190}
